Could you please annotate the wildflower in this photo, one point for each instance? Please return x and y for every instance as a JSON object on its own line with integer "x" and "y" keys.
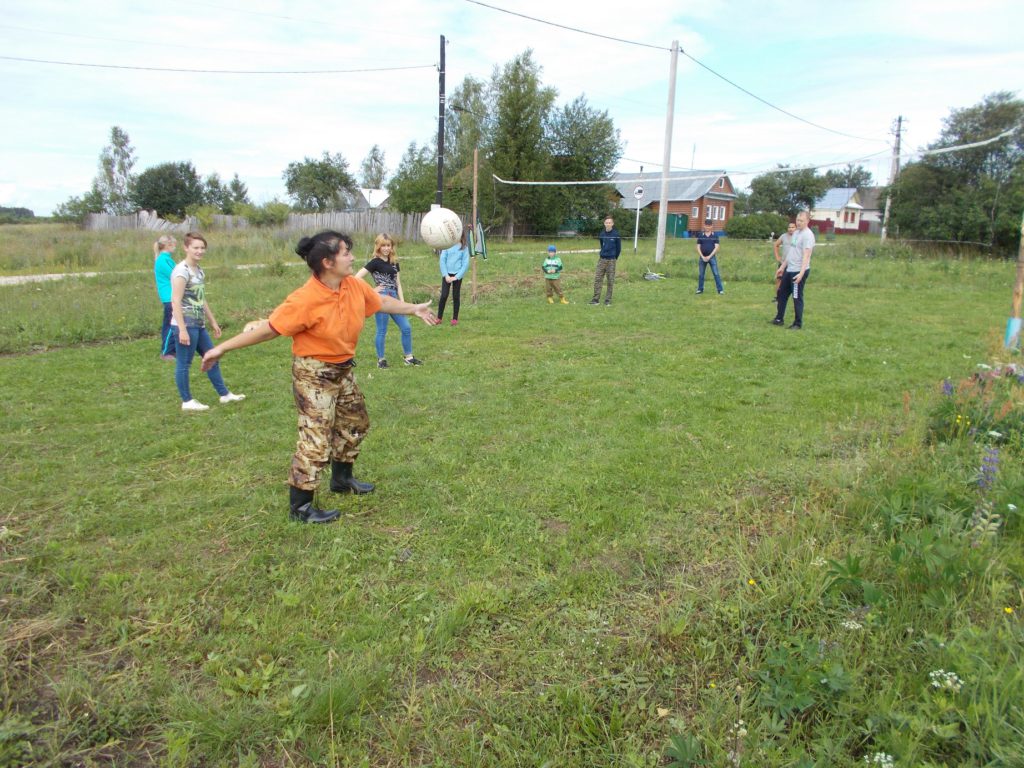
{"x": 1012, "y": 507}
{"x": 985, "y": 367}
{"x": 851, "y": 625}
{"x": 993, "y": 433}
{"x": 751, "y": 582}
{"x": 947, "y": 388}
{"x": 989, "y": 469}
{"x": 943, "y": 680}
{"x": 1008, "y": 611}
{"x": 739, "y": 729}
{"x": 880, "y": 759}
{"x": 712, "y": 684}
{"x": 818, "y": 562}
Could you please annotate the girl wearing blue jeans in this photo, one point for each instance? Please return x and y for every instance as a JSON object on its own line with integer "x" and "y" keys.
{"x": 189, "y": 315}
{"x": 383, "y": 268}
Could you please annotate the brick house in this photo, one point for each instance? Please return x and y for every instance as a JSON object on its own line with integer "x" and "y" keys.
{"x": 697, "y": 195}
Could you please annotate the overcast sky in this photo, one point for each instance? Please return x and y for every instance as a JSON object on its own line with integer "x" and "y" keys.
{"x": 848, "y": 67}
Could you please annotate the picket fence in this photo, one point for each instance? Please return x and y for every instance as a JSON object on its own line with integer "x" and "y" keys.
{"x": 404, "y": 226}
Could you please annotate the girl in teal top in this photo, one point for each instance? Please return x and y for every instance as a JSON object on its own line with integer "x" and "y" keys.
{"x": 453, "y": 262}
{"x": 163, "y": 264}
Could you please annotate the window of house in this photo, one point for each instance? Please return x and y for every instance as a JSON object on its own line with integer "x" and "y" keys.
{"x": 696, "y": 211}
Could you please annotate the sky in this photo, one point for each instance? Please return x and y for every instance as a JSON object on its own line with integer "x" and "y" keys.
{"x": 848, "y": 68}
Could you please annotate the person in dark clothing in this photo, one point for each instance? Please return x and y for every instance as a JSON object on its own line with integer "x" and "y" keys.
{"x": 707, "y": 253}
{"x": 611, "y": 247}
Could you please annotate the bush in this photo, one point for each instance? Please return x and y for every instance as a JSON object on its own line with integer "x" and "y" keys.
{"x": 756, "y": 226}
{"x": 203, "y": 214}
{"x": 272, "y": 214}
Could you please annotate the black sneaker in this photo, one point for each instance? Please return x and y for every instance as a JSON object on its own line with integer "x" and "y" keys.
{"x": 795, "y": 327}
{"x": 594, "y": 302}
{"x": 413, "y": 361}
{"x": 776, "y": 321}
{"x": 382, "y": 363}
{"x": 699, "y": 292}
{"x": 607, "y": 303}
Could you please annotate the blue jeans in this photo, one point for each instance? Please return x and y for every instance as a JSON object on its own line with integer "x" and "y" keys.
{"x": 713, "y": 263}
{"x": 382, "y": 328}
{"x": 168, "y": 337}
{"x": 199, "y": 341}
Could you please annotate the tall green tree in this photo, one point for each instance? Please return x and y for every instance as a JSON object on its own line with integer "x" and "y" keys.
{"x": 115, "y": 178}
{"x": 517, "y": 148}
{"x": 968, "y": 195}
{"x": 168, "y": 189}
{"x": 466, "y": 130}
{"x": 238, "y": 195}
{"x": 373, "y": 170}
{"x": 786, "y": 192}
{"x": 584, "y": 146}
{"x": 412, "y": 187}
{"x": 321, "y": 185}
{"x": 850, "y": 176}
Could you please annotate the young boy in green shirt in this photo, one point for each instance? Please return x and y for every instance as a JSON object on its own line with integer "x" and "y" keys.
{"x": 552, "y": 268}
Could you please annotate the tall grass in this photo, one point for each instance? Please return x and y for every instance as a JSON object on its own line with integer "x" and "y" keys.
{"x": 601, "y": 536}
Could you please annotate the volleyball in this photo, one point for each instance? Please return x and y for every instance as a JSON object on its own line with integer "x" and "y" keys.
{"x": 441, "y": 228}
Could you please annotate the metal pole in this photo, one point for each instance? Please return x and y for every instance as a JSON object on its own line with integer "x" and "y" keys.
{"x": 636, "y": 228}
{"x": 440, "y": 129}
{"x": 1013, "y": 325}
{"x": 659, "y": 253}
{"x": 476, "y": 168}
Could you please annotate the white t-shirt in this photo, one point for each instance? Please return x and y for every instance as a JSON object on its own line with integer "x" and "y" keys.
{"x": 194, "y": 300}
{"x": 802, "y": 240}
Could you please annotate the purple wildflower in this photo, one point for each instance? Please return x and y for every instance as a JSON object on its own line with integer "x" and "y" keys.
{"x": 989, "y": 470}
{"x": 947, "y": 388}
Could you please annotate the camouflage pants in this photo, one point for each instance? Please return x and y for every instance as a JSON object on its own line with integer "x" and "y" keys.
{"x": 332, "y": 418}
{"x": 605, "y": 267}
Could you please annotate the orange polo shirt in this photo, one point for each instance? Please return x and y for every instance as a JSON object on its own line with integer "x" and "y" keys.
{"x": 325, "y": 324}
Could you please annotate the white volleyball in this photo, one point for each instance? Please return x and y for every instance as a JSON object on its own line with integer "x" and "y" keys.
{"x": 441, "y": 228}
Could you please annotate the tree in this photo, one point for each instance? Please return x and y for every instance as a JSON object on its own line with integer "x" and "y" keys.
{"x": 413, "y": 185}
{"x": 75, "y": 209}
{"x": 968, "y": 195}
{"x": 322, "y": 184}
{"x": 238, "y": 195}
{"x": 373, "y": 171}
{"x": 115, "y": 178}
{"x": 169, "y": 188}
{"x": 466, "y": 129}
{"x": 521, "y": 111}
{"x": 584, "y": 146}
{"x": 216, "y": 193}
{"x": 786, "y": 192}
{"x": 855, "y": 176}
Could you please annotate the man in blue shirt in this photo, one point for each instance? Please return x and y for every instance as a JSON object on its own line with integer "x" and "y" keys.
{"x": 707, "y": 251}
{"x": 611, "y": 247}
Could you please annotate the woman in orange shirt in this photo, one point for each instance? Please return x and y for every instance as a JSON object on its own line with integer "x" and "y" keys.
{"x": 324, "y": 318}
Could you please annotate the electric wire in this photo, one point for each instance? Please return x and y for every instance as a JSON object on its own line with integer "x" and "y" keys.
{"x": 684, "y": 53}
{"x": 224, "y": 71}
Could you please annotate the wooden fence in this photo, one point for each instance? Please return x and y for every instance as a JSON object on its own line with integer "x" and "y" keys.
{"x": 402, "y": 226}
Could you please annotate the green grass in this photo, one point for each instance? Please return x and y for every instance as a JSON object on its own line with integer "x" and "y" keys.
{"x": 599, "y": 535}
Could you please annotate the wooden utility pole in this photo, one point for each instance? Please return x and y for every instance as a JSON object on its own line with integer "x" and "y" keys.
{"x": 1013, "y": 324}
{"x": 666, "y": 162}
{"x": 894, "y": 171}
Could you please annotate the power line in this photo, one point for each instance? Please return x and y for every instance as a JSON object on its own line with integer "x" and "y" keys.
{"x": 691, "y": 58}
{"x": 224, "y": 71}
{"x": 147, "y": 43}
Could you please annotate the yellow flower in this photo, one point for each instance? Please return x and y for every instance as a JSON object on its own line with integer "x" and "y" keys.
{"x": 711, "y": 684}
{"x": 1008, "y": 610}
{"x": 751, "y": 582}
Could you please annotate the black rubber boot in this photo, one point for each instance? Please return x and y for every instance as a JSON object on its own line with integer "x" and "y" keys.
{"x": 302, "y": 509}
{"x": 342, "y": 480}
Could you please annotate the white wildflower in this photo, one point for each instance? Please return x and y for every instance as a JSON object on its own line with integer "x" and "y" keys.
{"x": 1012, "y": 507}
{"x": 945, "y": 681}
{"x": 819, "y": 562}
{"x": 880, "y": 759}
{"x": 993, "y": 433}
{"x": 851, "y": 625}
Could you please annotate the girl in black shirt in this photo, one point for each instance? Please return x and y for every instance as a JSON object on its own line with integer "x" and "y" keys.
{"x": 383, "y": 268}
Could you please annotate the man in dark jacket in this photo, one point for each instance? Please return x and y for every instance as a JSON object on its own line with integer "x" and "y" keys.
{"x": 611, "y": 247}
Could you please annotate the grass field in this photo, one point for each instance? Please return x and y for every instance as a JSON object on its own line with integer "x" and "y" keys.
{"x": 663, "y": 532}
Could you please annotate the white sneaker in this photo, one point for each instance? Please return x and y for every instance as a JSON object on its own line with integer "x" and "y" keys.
{"x": 231, "y": 397}
{"x": 194, "y": 405}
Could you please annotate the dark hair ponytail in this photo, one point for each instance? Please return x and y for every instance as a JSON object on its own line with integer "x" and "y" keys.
{"x": 320, "y": 246}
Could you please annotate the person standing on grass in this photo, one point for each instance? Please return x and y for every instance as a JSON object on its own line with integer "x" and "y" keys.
{"x": 795, "y": 271}
{"x": 552, "y": 269}
{"x": 190, "y": 312}
{"x": 611, "y": 247}
{"x": 782, "y": 242}
{"x": 383, "y": 268}
{"x": 707, "y": 255}
{"x": 324, "y": 319}
{"x": 163, "y": 265}
{"x": 453, "y": 263}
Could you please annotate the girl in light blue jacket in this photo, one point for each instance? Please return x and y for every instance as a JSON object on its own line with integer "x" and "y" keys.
{"x": 453, "y": 262}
